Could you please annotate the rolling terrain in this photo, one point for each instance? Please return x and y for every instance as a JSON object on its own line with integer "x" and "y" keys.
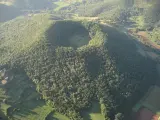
{"x": 77, "y": 69}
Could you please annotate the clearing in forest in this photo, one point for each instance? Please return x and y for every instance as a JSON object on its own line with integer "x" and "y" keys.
{"x": 94, "y": 113}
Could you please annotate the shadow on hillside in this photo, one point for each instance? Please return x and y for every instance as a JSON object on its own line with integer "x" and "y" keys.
{"x": 94, "y": 109}
{"x": 23, "y": 97}
{"x": 142, "y": 70}
{"x": 34, "y": 4}
{"x": 93, "y": 64}
{"x": 68, "y": 34}
{"x": 8, "y": 12}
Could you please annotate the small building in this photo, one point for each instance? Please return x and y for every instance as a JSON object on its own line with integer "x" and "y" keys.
{"x": 148, "y": 108}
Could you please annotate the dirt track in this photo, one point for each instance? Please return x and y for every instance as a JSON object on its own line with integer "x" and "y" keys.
{"x": 147, "y": 47}
{"x": 143, "y": 36}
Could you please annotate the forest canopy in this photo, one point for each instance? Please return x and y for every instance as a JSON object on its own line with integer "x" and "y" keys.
{"x": 69, "y": 76}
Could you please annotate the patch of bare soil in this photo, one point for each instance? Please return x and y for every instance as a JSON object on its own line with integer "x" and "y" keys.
{"x": 144, "y": 38}
{"x": 4, "y": 82}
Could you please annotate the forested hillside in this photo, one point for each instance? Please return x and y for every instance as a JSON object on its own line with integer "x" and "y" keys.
{"x": 28, "y": 4}
{"x": 73, "y": 66}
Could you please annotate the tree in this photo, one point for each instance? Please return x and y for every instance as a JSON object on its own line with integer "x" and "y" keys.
{"x": 119, "y": 116}
{"x": 152, "y": 16}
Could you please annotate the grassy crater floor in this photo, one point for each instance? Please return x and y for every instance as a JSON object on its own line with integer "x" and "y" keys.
{"x": 68, "y": 34}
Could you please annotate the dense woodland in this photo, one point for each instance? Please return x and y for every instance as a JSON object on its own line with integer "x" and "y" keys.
{"x": 69, "y": 78}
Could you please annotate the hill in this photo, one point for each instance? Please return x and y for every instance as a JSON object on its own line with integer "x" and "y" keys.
{"x": 90, "y": 8}
{"x": 11, "y": 9}
{"x": 79, "y": 68}
{"x": 28, "y": 4}
{"x": 33, "y": 4}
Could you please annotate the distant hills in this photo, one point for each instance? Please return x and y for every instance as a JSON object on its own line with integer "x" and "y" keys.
{"x": 33, "y": 4}
{"x": 28, "y": 4}
{"x": 12, "y": 8}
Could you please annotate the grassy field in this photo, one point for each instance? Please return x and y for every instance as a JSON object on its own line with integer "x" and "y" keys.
{"x": 26, "y": 112}
{"x": 96, "y": 116}
{"x": 22, "y": 102}
{"x": 79, "y": 40}
{"x": 61, "y": 4}
{"x": 57, "y": 116}
{"x": 94, "y": 113}
{"x": 60, "y": 116}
